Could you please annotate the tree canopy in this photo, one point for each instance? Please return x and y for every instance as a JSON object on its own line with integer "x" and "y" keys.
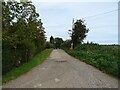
{"x": 22, "y": 32}
{"x": 58, "y": 42}
{"x": 52, "y": 40}
{"x": 78, "y": 32}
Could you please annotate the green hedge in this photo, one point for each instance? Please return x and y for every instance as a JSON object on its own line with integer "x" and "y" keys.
{"x": 15, "y": 57}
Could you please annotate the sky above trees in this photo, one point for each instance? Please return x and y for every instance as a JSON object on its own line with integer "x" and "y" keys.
{"x": 57, "y": 19}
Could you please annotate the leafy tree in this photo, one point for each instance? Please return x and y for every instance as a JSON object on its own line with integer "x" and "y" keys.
{"x": 52, "y": 40}
{"x": 58, "y": 42}
{"x": 23, "y": 33}
{"x": 49, "y": 45}
{"x": 78, "y": 33}
{"x": 66, "y": 44}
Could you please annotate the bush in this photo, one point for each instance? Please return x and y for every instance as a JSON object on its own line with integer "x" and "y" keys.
{"x": 15, "y": 57}
{"x": 66, "y": 44}
{"x": 102, "y": 57}
{"x": 7, "y": 59}
{"x": 49, "y": 45}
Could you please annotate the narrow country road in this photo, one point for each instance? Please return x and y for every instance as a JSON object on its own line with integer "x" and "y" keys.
{"x": 63, "y": 71}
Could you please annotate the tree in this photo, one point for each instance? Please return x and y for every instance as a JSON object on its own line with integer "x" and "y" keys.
{"x": 52, "y": 40}
{"x": 23, "y": 33}
{"x": 58, "y": 42}
{"x": 66, "y": 44}
{"x": 78, "y": 32}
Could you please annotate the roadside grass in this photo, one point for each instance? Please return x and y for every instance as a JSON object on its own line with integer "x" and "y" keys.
{"x": 16, "y": 72}
{"x": 105, "y": 58}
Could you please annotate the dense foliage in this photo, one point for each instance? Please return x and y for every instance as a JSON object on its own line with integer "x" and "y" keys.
{"x": 37, "y": 60}
{"x": 103, "y": 57}
{"x": 66, "y": 44}
{"x": 49, "y": 45}
{"x": 58, "y": 42}
{"x": 54, "y": 42}
{"x": 22, "y": 35}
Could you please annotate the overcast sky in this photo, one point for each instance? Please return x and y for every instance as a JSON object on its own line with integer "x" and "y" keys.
{"x": 57, "y": 19}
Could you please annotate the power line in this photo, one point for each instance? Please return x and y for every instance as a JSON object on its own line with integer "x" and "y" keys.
{"x": 91, "y": 17}
{"x": 101, "y": 13}
{"x": 104, "y": 26}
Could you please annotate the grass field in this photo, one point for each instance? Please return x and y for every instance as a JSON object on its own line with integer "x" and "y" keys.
{"x": 38, "y": 59}
{"x": 103, "y": 57}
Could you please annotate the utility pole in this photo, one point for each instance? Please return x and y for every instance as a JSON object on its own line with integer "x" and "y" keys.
{"x": 72, "y": 32}
{"x": 73, "y": 24}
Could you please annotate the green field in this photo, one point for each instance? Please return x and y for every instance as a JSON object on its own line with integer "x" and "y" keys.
{"x": 103, "y": 57}
{"x": 38, "y": 59}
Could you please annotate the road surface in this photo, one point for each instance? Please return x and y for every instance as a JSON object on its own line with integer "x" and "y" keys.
{"x": 63, "y": 71}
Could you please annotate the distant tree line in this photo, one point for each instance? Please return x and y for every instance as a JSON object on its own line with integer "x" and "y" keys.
{"x": 54, "y": 43}
{"x": 78, "y": 34}
{"x": 23, "y": 34}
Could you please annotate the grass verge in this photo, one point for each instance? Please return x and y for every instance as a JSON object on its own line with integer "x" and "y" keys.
{"x": 16, "y": 72}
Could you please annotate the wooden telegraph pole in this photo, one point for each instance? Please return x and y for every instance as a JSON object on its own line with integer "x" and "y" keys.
{"x": 72, "y": 30}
